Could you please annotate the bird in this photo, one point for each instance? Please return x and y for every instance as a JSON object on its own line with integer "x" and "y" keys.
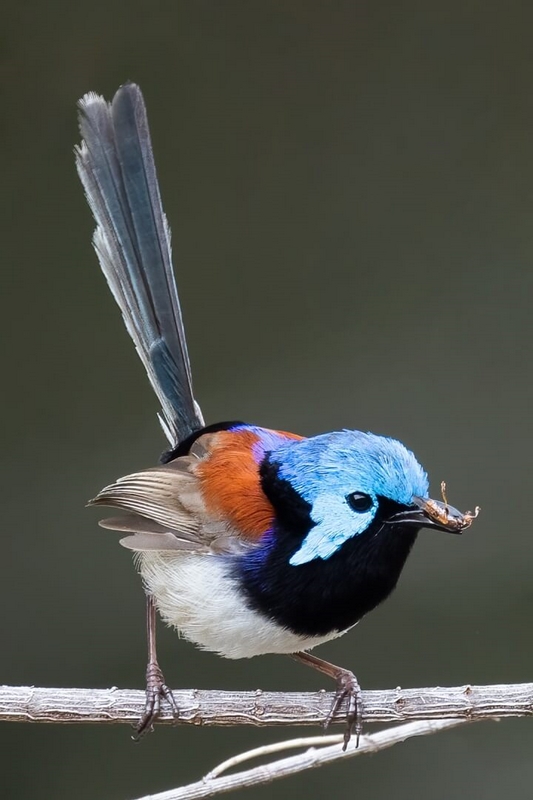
{"x": 248, "y": 540}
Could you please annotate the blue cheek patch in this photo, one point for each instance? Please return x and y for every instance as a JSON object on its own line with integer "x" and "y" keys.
{"x": 335, "y": 524}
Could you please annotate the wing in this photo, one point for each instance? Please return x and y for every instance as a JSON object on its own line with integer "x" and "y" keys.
{"x": 170, "y": 507}
{"x": 132, "y": 241}
{"x": 210, "y": 500}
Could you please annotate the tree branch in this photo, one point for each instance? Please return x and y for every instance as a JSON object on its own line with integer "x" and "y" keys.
{"x": 198, "y": 707}
{"x": 433, "y": 709}
{"x": 211, "y": 786}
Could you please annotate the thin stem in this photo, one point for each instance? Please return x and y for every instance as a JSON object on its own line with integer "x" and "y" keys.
{"x": 310, "y": 759}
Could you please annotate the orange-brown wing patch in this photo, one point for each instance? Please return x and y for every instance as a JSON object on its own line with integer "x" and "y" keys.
{"x": 231, "y": 485}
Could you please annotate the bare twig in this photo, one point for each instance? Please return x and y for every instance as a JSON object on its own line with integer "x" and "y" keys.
{"x": 433, "y": 709}
{"x": 209, "y": 787}
{"x": 274, "y": 747}
{"x": 30, "y": 704}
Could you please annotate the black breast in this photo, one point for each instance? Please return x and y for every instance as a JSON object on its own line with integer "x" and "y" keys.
{"x": 322, "y": 596}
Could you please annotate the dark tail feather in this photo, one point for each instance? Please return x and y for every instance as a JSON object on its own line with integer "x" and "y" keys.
{"x": 132, "y": 240}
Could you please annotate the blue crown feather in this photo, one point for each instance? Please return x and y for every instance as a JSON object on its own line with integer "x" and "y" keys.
{"x": 326, "y": 469}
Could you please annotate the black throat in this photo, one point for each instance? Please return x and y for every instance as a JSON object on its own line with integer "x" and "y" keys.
{"x": 321, "y": 596}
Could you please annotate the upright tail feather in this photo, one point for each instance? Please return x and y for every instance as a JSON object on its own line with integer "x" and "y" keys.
{"x": 132, "y": 240}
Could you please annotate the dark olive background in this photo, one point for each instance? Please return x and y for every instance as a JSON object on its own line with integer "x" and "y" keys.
{"x": 350, "y": 188}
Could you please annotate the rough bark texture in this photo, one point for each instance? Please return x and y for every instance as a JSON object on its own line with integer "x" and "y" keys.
{"x": 31, "y": 704}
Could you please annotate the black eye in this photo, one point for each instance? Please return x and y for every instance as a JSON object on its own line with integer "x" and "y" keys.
{"x": 359, "y": 502}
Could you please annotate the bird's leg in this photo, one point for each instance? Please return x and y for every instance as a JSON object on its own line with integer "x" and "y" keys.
{"x": 156, "y": 687}
{"x": 347, "y": 688}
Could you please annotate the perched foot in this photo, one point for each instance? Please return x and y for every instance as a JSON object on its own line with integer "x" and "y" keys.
{"x": 156, "y": 688}
{"x": 348, "y": 689}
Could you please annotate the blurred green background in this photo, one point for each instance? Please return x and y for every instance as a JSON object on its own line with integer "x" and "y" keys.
{"x": 350, "y": 189}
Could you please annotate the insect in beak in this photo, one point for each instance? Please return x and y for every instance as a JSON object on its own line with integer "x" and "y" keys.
{"x": 435, "y": 514}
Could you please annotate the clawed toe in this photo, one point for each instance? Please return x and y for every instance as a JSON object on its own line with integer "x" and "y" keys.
{"x": 156, "y": 688}
{"x": 348, "y": 689}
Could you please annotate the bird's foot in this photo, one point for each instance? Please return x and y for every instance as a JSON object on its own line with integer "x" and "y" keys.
{"x": 156, "y": 688}
{"x": 348, "y": 689}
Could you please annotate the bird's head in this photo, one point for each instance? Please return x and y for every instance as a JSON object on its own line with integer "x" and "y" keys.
{"x": 348, "y": 483}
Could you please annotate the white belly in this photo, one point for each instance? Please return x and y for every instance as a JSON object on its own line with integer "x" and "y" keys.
{"x": 194, "y": 594}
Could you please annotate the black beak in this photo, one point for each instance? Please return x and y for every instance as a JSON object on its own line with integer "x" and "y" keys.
{"x": 426, "y": 513}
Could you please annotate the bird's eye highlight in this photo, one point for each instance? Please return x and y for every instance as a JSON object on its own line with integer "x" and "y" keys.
{"x": 360, "y": 502}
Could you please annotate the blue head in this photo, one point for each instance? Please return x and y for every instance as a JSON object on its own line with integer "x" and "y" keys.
{"x": 345, "y": 477}
{"x": 348, "y": 506}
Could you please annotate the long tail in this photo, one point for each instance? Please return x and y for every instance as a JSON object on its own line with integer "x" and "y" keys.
{"x": 132, "y": 240}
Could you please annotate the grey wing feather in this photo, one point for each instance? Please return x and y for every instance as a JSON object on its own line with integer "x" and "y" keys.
{"x": 149, "y": 535}
{"x": 132, "y": 240}
{"x": 162, "y": 542}
{"x": 165, "y": 510}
